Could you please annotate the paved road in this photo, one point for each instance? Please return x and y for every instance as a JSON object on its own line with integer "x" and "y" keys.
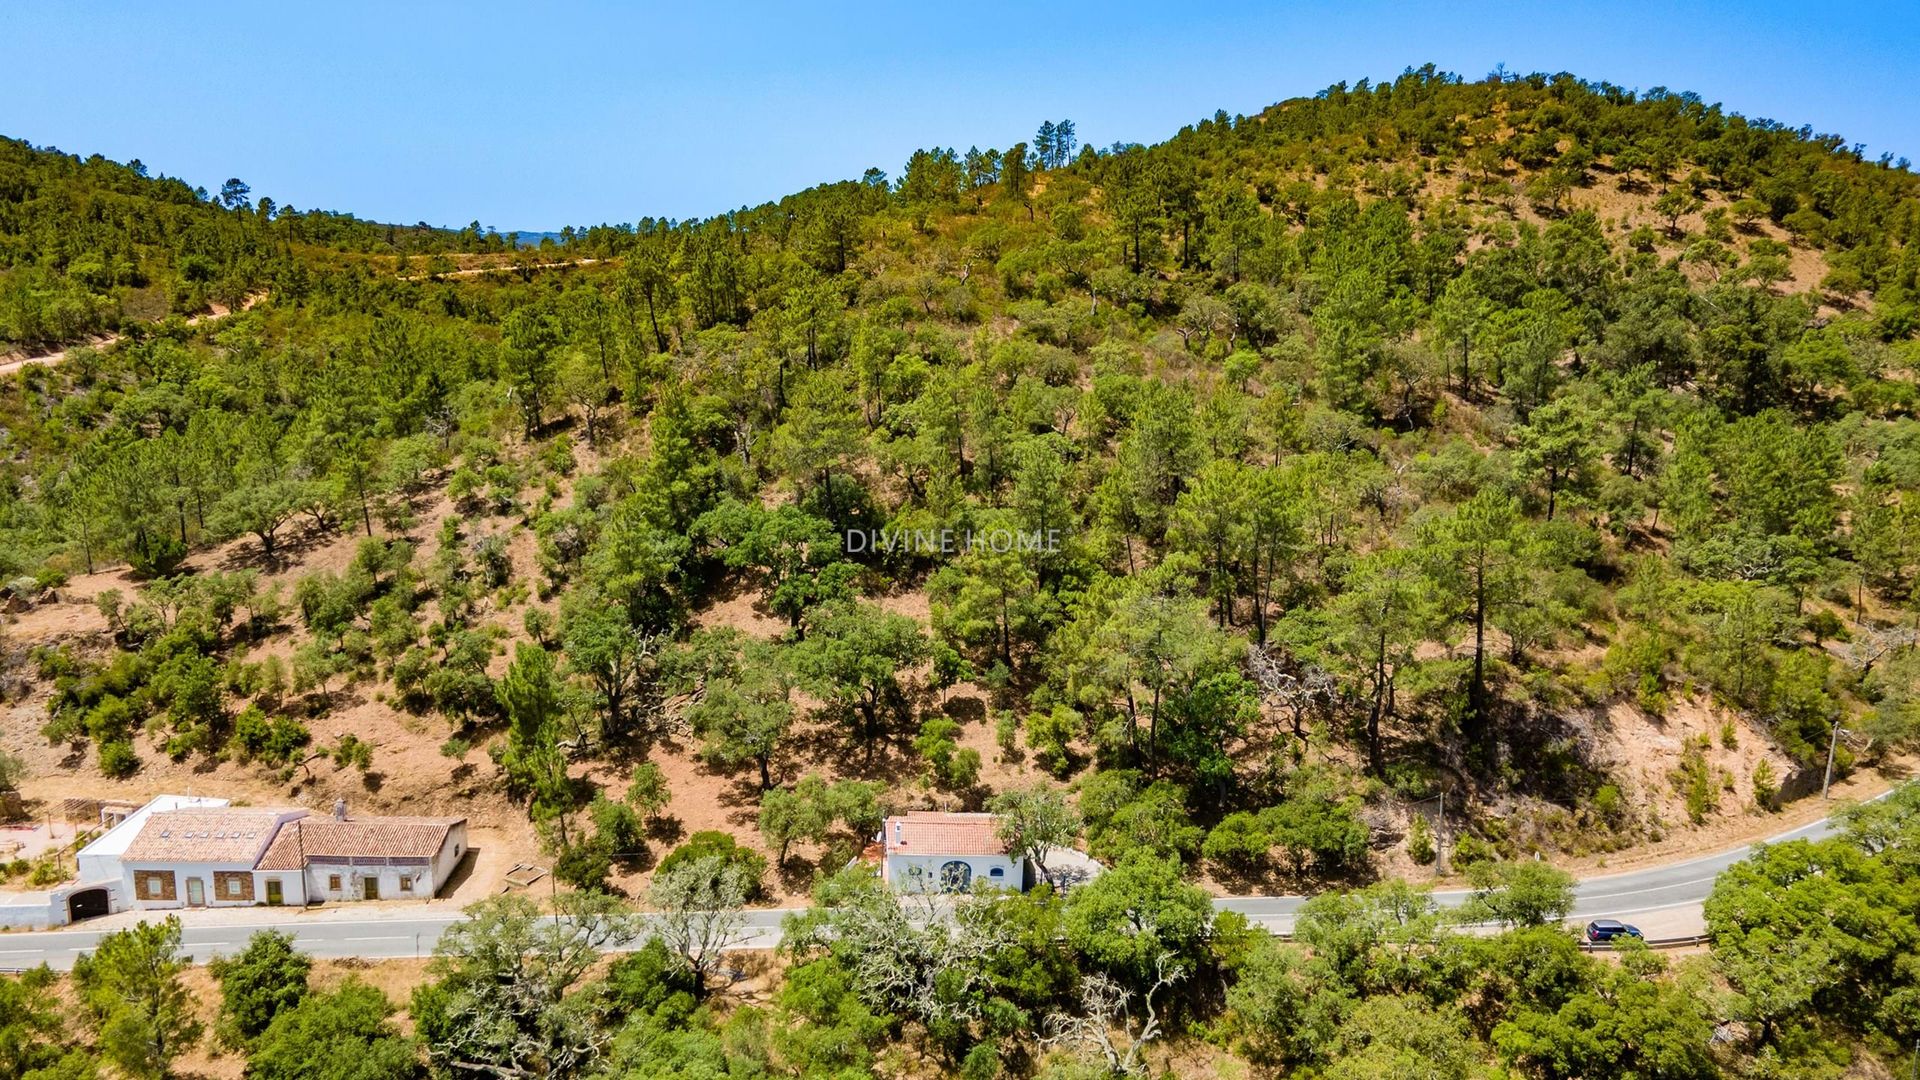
{"x": 1621, "y": 896}
{"x": 397, "y": 933}
{"x": 323, "y": 933}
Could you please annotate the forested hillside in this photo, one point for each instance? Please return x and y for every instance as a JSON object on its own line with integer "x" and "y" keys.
{"x": 1528, "y": 443}
{"x": 92, "y": 246}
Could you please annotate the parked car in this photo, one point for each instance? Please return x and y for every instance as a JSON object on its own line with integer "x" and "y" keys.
{"x": 1601, "y": 931}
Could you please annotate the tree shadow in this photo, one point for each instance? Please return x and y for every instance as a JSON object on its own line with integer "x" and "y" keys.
{"x": 667, "y": 829}
{"x": 286, "y": 551}
{"x": 964, "y": 708}
{"x": 796, "y": 874}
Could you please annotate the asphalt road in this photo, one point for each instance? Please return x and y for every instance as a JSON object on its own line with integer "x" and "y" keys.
{"x": 1620, "y": 896}
{"x": 322, "y": 933}
{"x": 396, "y": 933}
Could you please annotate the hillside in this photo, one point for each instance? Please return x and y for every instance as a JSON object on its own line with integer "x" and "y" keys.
{"x": 1529, "y": 444}
{"x": 88, "y": 247}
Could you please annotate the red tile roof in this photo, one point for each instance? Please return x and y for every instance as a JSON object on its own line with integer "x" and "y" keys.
{"x": 319, "y": 839}
{"x": 214, "y": 834}
{"x": 929, "y": 832}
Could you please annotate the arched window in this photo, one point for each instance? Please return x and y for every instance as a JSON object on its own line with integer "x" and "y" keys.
{"x": 955, "y": 876}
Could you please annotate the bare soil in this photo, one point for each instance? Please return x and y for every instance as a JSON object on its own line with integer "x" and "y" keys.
{"x": 410, "y": 774}
{"x": 14, "y": 361}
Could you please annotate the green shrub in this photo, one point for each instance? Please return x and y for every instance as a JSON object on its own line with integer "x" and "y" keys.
{"x": 1470, "y": 850}
{"x": 1420, "y": 847}
{"x": 1607, "y": 804}
{"x": 949, "y": 764}
{"x": 1695, "y": 780}
{"x": 583, "y": 864}
{"x": 1413, "y": 780}
{"x": 1766, "y": 790}
{"x": 713, "y": 842}
{"x": 1824, "y": 625}
{"x": 1050, "y": 735}
{"x": 1006, "y": 732}
{"x": 118, "y": 760}
{"x": 1238, "y": 846}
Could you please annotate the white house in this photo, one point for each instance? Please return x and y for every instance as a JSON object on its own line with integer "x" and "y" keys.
{"x": 101, "y": 884}
{"x": 100, "y": 860}
{"x": 203, "y": 857}
{"x": 178, "y": 851}
{"x": 930, "y": 851}
{"x": 343, "y": 858}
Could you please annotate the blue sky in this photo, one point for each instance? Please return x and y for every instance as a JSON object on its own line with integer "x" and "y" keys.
{"x": 535, "y": 115}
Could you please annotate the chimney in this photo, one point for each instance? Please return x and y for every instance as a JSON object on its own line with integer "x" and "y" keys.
{"x": 339, "y": 809}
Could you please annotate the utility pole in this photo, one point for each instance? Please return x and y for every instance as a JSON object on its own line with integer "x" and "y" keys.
{"x": 1833, "y": 740}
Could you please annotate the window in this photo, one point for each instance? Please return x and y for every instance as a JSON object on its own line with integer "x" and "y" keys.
{"x": 955, "y": 876}
{"x": 333, "y": 882}
{"x": 998, "y": 871}
{"x": 231, "y": 885}
{"x": 154, "y": 885}
{"x": 406, "y": 884}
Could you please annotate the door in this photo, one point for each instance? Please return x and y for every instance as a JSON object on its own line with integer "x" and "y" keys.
{"x": 275, "y": 896}
{"x": 87, "y": 904}
{"x": 196, "y": 892}
{"x": 372, "y": 888}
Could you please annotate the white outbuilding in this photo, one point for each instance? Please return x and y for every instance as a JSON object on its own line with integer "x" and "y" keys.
{"x": 932, "y": 851}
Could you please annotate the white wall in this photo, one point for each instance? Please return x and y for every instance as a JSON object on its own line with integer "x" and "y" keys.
{"x": 32, "y": 911}
{"x": 181, "y": 873}
{"x": 452, "y": 850}
{"x": 353, "y": 882}
{"x": 427, "y": 877}
{"x": 99, "y": 867}
{"x": 293, "y": 886}
{"x": 900, "y": 871}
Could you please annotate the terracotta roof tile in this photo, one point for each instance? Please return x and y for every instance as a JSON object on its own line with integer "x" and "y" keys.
{"x": 928, "y": 832}
{"x": 215, "y": 834}
{"x": 318, "y": 839}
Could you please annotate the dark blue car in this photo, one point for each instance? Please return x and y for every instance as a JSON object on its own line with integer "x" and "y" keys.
{"x": 1601, "y": 931}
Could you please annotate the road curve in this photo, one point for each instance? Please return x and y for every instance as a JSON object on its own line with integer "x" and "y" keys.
{"x": 337, "y": 932}
{"x": 1621, "y": 895}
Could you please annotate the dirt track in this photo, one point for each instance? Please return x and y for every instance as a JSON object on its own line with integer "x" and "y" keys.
{"x": 14, "y": 362}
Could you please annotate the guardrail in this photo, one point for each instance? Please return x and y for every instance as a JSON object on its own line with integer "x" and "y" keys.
{"x": 1652, "y": 943}
{"x": 1688, "y": 942}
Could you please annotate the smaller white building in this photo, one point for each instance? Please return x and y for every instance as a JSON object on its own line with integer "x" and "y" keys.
{"x": 931, "y": 851}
